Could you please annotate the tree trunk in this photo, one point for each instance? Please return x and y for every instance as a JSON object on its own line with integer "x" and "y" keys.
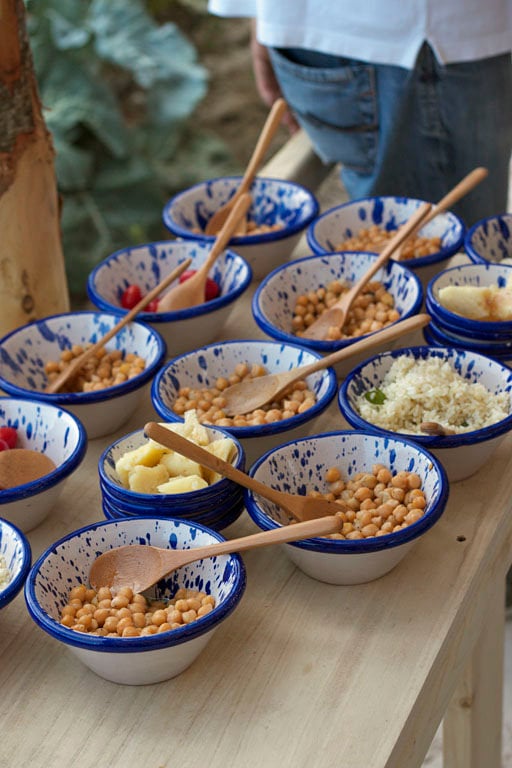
{"x": 32, "y": 271}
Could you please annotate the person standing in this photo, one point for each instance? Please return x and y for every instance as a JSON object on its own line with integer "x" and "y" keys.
{"x": 407, "y": 97}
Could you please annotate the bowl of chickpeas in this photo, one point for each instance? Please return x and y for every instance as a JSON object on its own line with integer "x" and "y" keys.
{"x": 369, "y": 223}
{"x": 138, "y": 476}
{"x": 389, "y": 491}
{"x": 120, "y": 280}
{"x": 296, "y": 294}
{"x": 280, "y": 213}
{"x": 106, "y": 390}
{"x": 197, "y": 380}
{"x": 131, "y": 638}
{"x": 15, "y": 559}
{"x": 41, "y": 445}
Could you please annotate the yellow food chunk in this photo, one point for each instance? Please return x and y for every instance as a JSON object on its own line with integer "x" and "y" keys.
{"x": 177, "y": 465}
{"x": 183, "y": 484}
{"x": 223, "y": 449}
{"x": 143, "y": 479}
{"x": 486, "y": 303}
{"x": 147, "y": 455}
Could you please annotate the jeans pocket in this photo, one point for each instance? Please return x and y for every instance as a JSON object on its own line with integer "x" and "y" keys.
{"x": 336, "y": 105}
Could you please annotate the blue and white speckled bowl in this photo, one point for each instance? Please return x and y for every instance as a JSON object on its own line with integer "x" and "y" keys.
{"x": 48, "y": 429}
{"x": 438, "y": 337}
{"x": 25, "y": 351}
{"x": 480, "y": 275}
{"x": 300, "y": 466}
{"x": 15, "y": 550}
{"x": 343, "y": 221}
{"x": 490, "y": 240}
{"x": 146, "y": 265}
{"x": 274, "y": 300}
{"x": 202, "y": 367}
{"x": 275, "y": 201}
{"x": 461, "y": 454}
{"x": 134, "y": 660}
{"x": 216, "y": 503}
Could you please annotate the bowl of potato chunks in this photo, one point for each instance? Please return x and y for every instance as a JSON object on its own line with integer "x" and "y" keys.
{"x": 138, "y": 476}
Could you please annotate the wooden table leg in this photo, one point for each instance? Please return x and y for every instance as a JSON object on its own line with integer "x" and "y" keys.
{"x": 472, "y": 727}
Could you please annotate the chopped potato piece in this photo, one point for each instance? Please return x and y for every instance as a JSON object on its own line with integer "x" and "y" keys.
{"x": 177, "y": 465}
{"x": 223, "y": 449}
{"x": 143, "y": 479}
{"x": 183, "y": 484}
{"x": 147, "y": 455}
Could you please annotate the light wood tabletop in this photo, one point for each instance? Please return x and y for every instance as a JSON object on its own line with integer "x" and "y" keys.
{"x": 302, "y": 673}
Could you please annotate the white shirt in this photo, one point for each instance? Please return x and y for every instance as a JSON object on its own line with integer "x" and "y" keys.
{"x": 381, "y": 31}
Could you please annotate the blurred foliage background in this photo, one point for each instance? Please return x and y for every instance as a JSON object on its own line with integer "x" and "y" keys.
{"x": 119, "y": 82}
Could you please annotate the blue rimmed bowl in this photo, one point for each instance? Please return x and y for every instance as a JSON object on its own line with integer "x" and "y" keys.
{"x": 204, "y": 366}
{"x": 25, "y": 351}
{"x": 275, "y": 202}
{"x": 461, "y": 454}
{"x": 301, "y": 466}
{"x": 477, "y": 275}
{"x": 50, "y": 430}
{"x": 214, "y": 506}
{"x": 330, "y": 229}
{"x": 490, "y": 240}
{"x": 134, "y": 660}
{"x": 274, "y": 300}
{"x": 146, "y": 265}
{"x": 438, "y": 337}
{"x": 15, "y": 551}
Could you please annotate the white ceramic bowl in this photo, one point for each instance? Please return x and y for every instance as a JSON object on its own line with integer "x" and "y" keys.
{"x": 134, "y": 660}
{"x": 48, "y": 429}
{"x": 211, "y": 506}
{"x": 343, "y": 221}
{"x": 202, "y": 367}
{"x": 274, "y": 300}
{"x": 146, "y": 265}
{"x": 15, "y": 550}
{"x": 490, "y": 240}
{"x": 461, "y": 454}
{"x": 477, "y": 275}
{"x": 275, "y": 202}
{"x": 301, "y": 466}
{"x": 25, "y": 351}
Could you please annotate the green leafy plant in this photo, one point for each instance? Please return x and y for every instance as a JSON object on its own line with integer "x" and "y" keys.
{"x": 118, "y": 90}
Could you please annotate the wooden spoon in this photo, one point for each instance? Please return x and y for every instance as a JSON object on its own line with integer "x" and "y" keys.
{"x": 75, "y": 365}
{"x": 435, "y": 430}
{"x": 190, "y": 293}
{"x": 139, "y": 566}
{"x": 254, "y": 393}
{"x": 453, "y": 196}
{"x": 337, "y": 314}
{"x": 299, "y": 507}
{"x": 272, "y": 122}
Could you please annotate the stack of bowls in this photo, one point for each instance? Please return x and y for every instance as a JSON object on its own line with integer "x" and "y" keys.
{"x": 284, "y": 207}
{"x": 215, "y": 506}
{"x": 447, "y": 328}
{"x": 328, "y": 231}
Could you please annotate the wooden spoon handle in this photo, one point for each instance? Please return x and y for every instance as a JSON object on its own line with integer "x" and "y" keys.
{"x": 320, "y": 526}
{"x": 389, "y": 333}
{"x": 77, "y": 363}
{"x": 267, "y": 134}
{"x": 396, "y": 241}
{"x": 239, "y": 210}
{"x": 192, "y": 451}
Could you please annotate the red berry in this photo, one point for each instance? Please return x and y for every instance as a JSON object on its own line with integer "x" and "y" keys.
{"x": 152, "y": 306}
{"x": 131, "y": 296}
{"x": 9, "y": 436}
{"x": 211, "y": 290}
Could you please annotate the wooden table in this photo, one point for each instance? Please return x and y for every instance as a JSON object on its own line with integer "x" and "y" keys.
{"x": 303, "y": 673}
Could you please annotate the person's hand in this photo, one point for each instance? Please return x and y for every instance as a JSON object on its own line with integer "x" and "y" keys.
{"x": 266, "y": 81}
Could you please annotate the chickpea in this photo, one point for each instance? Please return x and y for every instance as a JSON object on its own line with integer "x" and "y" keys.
{"x": 101, "y": 371}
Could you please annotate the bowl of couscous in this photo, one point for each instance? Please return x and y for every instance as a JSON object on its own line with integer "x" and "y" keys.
{"x": 453, "y": 402}
{"x": 390, "y": 492}
{"x": 166, "y": 636}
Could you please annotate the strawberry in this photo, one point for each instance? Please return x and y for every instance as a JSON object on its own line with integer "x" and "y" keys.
{"x": 9, "y": 437}
{"x": 211, "y": 290}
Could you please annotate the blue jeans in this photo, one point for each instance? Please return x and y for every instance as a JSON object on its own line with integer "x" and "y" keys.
{"x": 406, "y": 132}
